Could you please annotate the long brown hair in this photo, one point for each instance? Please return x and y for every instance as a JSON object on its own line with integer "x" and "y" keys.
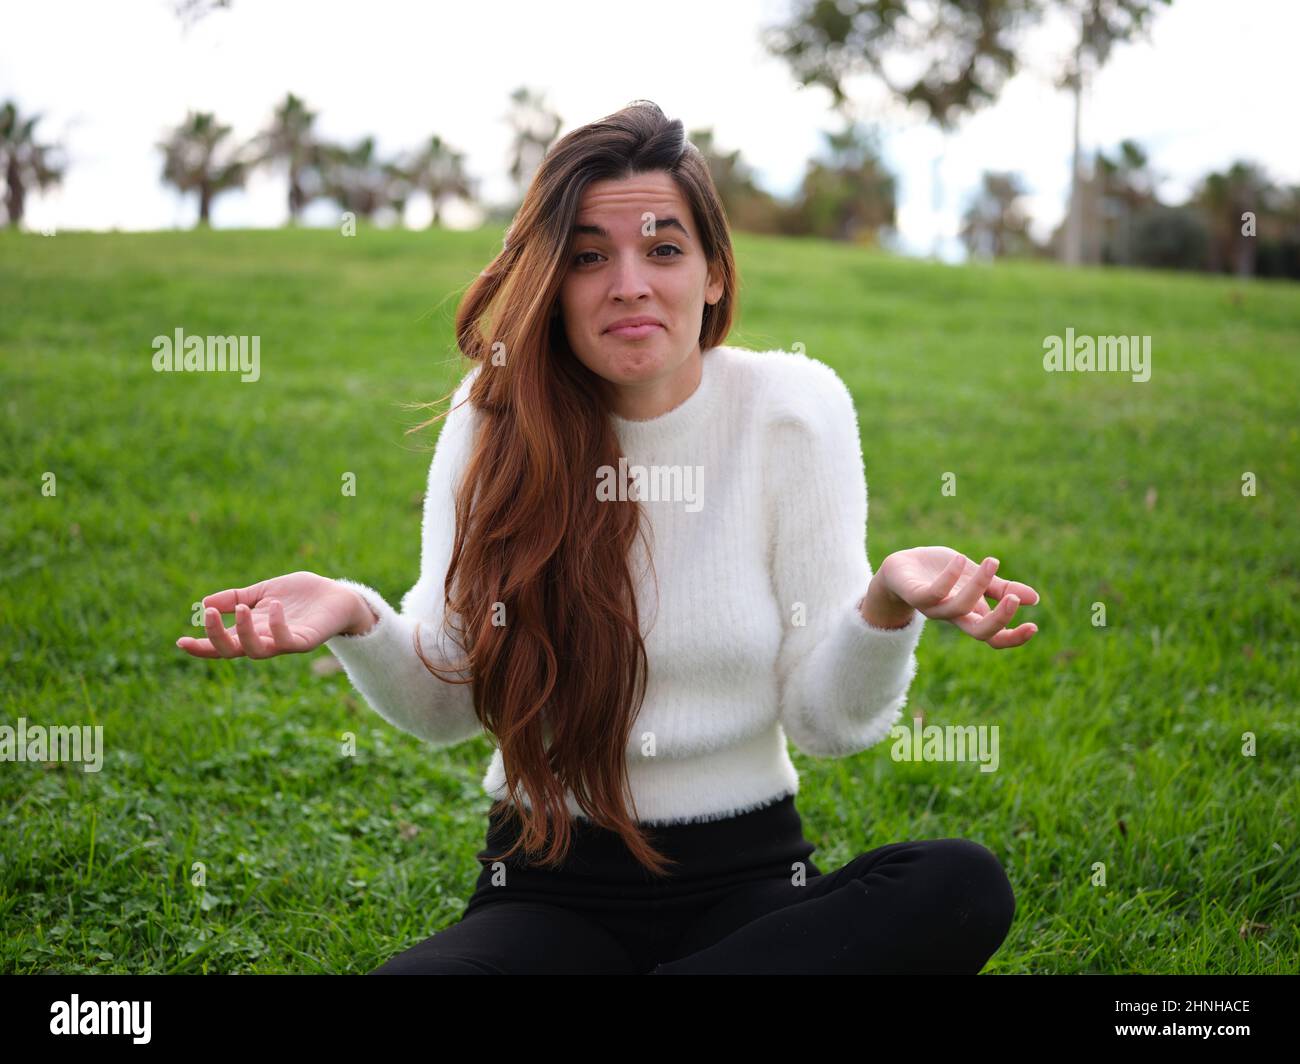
{"x": 532, "y": 538}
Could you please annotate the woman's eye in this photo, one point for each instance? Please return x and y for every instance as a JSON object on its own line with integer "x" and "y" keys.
{"x": 580, "y": 259}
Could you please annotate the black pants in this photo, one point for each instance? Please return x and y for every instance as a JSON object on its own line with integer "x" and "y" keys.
{"x": 747, "y": 898}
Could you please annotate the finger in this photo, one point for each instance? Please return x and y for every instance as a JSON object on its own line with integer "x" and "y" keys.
{"x": 943, "y": 583}
{"x": 970, "y": 623}
{"x": 221, "y": 637}
{"x": 1000, "y": 636}
{"x": 227, "y": 600}
{"x": 997, "y": 619}
{"x": 199, "y": 648}
{"x": 973, "y": 592}
{"x": 1013, "y": 637}
{"x": 252, "y": 643}
{"x": 279, "y": 626}
{"x": 1000, "y": 588}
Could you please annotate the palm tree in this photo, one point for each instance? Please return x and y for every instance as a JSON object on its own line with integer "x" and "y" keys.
{"x": 360, "y": 182}
{"x": 1119, "y": 190}
{"x": 24, "y": 164}
{"x": 439, "y": 172}
{"x": 747, "y": 205}
{"x": 399, "y": 183}
{"x": 1224, "y": 198}
{"x": 196, "y": 162}
{"x": 289, "y": 139}
{"x": 1279, "y": 234}
{"x": 994, "y": 224}
{"x": 191, "y": 11}
{"x": 1102, "y": 25}
{"x": 535, "y": 126}
{"x": 850, "y": 195}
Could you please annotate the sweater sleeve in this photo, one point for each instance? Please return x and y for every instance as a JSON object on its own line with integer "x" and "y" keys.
{"x": 382, "y": 663}
{"x": 844, "y": 682}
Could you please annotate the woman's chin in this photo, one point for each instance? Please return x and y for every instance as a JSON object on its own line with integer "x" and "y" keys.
{"x": 633, "y": 363}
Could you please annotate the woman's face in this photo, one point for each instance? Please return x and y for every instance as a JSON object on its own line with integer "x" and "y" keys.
{"x": 635, "y": 253}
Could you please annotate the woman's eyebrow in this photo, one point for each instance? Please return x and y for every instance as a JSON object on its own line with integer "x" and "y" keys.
{"x": 601, "y": 231}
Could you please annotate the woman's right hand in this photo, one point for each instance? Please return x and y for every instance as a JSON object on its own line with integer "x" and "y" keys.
{"x": 289, "y": 614}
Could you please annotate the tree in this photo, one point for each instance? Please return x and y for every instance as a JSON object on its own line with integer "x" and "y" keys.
{"x": 1172, "y": 238}
{"x": 439, "y": 172}
{"x": 398, "y": 186}
{"x": 748, "y": 206}
{"x": 1102, "y": 24}
{"x": 196, "y": 160}
{"x": 535, "y": 127}
{"x": 1279, "y": 234}
{"x": 24, "y": 163}
{"x": 1111, "y": 196}
{"x": 1127, "y": 186}
{"x": 1224, "y": 198}
{"x": 948, "y": 56}
{"x": 289, "y": 140}
{"x": 192, "y": 11}
{"x": 849, "y": 194}
{"x": 359, "y": 181}
{"x": 994, "y": 225}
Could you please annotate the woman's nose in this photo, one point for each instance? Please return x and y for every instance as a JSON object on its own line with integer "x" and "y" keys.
{"x": 629, "y": 280}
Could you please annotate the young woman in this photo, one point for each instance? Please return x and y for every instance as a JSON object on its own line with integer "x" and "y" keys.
{"x": 644, "y": 568}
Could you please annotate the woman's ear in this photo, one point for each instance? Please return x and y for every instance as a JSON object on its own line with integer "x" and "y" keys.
{"x": 714, "y": 289}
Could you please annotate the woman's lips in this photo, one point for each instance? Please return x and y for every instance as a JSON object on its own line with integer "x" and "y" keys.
{"x": 634, "y": 332}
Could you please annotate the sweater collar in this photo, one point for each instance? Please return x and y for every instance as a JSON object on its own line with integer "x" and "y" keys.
{"x": 683, "y": 419}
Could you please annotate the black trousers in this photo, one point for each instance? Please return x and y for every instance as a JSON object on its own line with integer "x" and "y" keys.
{"x": 747, "y": 898}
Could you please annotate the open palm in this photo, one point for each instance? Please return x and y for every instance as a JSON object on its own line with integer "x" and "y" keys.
{"x": 946, "y": 585}
{"x": 289, "y": 614}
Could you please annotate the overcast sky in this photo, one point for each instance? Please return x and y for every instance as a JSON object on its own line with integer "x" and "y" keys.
{"x": 1216, "y": 83}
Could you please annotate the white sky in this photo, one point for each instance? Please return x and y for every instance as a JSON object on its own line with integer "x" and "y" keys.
{"x": 112, "y": 78}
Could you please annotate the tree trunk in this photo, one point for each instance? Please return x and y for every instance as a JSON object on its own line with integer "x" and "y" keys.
{"x": 1074, "y": 224}
{"x": 1244, "y": 256}
{"x": 205, "y": 204}
{"x": 13, "y": 193}
{"x": 295, "y": 198}
{"x": 936, "y": 200}
{"x": 1074, "y": 221}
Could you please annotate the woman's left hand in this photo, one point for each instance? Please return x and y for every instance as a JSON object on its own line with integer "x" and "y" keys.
{"x": 947, "y": 586}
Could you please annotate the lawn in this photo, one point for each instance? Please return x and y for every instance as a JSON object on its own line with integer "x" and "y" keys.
{"x": 226, "y": 833}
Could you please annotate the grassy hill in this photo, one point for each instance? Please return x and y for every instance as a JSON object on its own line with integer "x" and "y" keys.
{"x": 1120, "y": 744}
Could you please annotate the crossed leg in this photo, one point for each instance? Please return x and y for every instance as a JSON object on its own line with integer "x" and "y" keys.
{"x": 926, "y": 906}
{"x": 515, "y": 938}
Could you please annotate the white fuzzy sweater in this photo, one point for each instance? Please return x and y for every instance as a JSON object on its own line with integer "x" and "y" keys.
{"x": 756, "y": 635}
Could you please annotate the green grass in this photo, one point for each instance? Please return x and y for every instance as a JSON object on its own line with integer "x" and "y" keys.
{"x": 1119, "y": 744}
